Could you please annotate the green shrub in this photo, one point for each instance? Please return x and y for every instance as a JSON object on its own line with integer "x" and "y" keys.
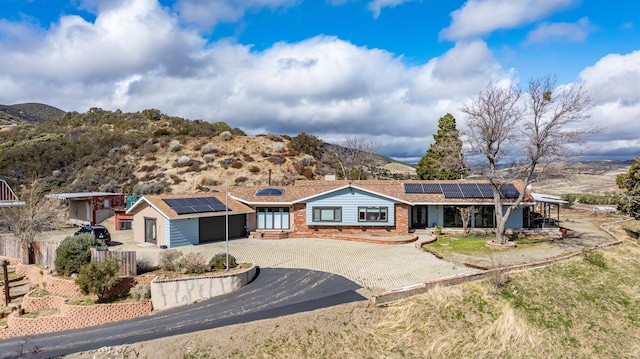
{"x": 308, "y": 144}
{"x": 254, "y": 169}
{"x": 166, "y": 259}
{"x": 219, "y": 261}
{"x": 149, "y": 188}
{"x": 593, "y": 256}
{"x": 237, "y": 165}
{"x": 240, "y": 180}
{"x": 98, "y": 277}
{"x": 75, "y": 252}
{"x": 141, "y": 292}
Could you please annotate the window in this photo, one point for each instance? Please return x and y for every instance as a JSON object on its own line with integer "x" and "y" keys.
{"x": 272, "y": 218}
{"x": 327, "y": 214}
{"x": 372, "y": 214}
{"x": 451, "y": 217}
{"x": 485, "y": 217}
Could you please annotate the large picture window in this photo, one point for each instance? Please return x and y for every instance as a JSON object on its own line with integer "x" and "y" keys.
{"x": 485, "y": 216}
{"x": 272, "y": 218}
{"x": 372, "y": 214}
{"x": 327, "y": 214}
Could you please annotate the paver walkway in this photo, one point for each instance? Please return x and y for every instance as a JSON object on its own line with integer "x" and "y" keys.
{"x": 375, "y": 267}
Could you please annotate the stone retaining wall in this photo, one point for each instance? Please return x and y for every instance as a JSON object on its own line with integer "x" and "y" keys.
{"x": 394, "y": 295}
{"x": 169, "y": 293}
{"x": 71, "y": 316}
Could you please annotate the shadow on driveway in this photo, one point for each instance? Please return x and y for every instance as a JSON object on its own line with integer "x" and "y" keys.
{"x": 274, "y": 292}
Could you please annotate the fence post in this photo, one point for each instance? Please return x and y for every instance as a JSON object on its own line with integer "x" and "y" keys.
{"x": 7, "y": 297}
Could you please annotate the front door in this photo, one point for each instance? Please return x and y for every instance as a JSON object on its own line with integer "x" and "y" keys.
{"x": 150, "y": 230}
{"x": 419, "y": 218}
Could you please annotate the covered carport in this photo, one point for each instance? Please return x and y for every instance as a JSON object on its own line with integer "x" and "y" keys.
{"x": 547, "y": 210}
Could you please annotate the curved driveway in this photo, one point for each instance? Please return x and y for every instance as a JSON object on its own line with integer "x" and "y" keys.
{"x": 377, "y": 267}
{"x": 275, "y": 292}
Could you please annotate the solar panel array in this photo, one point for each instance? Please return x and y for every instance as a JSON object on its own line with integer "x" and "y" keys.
{"x": 195, "y": 205}
{"x": 270, "y": 192}
{"x": 461, "y": 190}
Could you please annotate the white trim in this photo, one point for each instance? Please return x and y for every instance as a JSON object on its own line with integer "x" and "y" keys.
{"x": 351, "y": 186}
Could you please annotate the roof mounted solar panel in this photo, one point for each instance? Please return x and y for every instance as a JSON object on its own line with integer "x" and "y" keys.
{"x": 270, "y": 192}
{"x": 470, "y": 190}
{"x": 508, "y": 190}
{"x": 485, "y": 190}
{"x": 451, "y": 190}
{"x": 195, "y": 205}
{"x": 413, "y": 188}
{"x": 432, "y": 188}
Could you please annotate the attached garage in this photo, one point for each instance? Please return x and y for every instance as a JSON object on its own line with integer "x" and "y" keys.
{"x": 213, "y": 229}
{"x": 181, "y": 220}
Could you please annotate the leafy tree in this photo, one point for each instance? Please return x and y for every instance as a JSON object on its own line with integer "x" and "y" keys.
{"x": 308, "y": 144}
{"x": 98, "y": 277}
{"x": 75, "y": 252}
{"x": 630, "y": 182}
{"x": 537, "y": 129}
{"x": 444, "y": 159}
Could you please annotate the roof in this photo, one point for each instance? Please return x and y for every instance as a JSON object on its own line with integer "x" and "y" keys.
{"x": 8, "y": 198}
{"x": 5, "y": 204}
{"x": 157, "y": 202}
{"x": 394, "y": 189}
{"x": 82, "y": 195}
{"x": 547, "y": 198}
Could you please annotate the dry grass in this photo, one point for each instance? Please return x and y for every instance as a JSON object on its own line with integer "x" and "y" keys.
{"x": 572, "y": 309}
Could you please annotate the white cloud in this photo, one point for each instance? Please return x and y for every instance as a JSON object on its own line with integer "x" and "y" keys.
{"x": 549, "y": 32}
{"x": 376, "y": 6}
{"x": 612, "y": 82}
{"x": 205, "y": 14}
{"x": 480, "y": 17}
{"x": 139, "y": 56}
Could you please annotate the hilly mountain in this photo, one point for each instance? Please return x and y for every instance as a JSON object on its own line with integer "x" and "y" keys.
{"x": 27, "y": 112}
{"x": 150, "y": 152}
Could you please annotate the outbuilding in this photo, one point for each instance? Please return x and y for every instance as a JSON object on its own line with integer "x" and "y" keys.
{"x": 174, "y": 220}
{"x": 90, "y": 207}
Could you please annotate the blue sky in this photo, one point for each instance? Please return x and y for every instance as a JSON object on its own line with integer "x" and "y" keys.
{"x": 386, "y": 70}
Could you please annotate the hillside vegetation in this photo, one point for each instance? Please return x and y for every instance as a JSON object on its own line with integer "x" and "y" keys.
{"x": 13, "y": 115}
{"x": 150, "y": 152}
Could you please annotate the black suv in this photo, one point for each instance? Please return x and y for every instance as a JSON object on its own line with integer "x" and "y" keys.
{"x": 100, "y": 232}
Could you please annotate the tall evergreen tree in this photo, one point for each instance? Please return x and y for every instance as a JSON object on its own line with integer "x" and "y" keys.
{"x": 630, "y": 182}
{"x": 444, "y": 159}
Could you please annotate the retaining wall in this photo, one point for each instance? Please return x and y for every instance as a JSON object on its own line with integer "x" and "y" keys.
{"x": 397, "y": 294}
{"x": 70, "y": 317}
{"x": 169, "y": 293}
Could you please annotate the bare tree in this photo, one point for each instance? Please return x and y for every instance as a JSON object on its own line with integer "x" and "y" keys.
{"x": 465, "y": 213}
{"x": 537, "y": 128}
{"x": 37, "y": 215}
{"x": 353, "y": 155}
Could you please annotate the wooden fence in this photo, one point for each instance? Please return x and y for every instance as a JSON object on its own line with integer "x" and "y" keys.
{"x": 43, "y": 253}
{"x": 126, "y": 260}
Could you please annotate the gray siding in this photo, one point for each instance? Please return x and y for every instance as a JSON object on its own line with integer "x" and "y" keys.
{"x": 182, "y": 232}
{"x": 350, "y": 200}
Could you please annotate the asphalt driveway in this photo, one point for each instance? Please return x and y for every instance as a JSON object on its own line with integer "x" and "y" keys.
{"x": 275, "y": 292}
